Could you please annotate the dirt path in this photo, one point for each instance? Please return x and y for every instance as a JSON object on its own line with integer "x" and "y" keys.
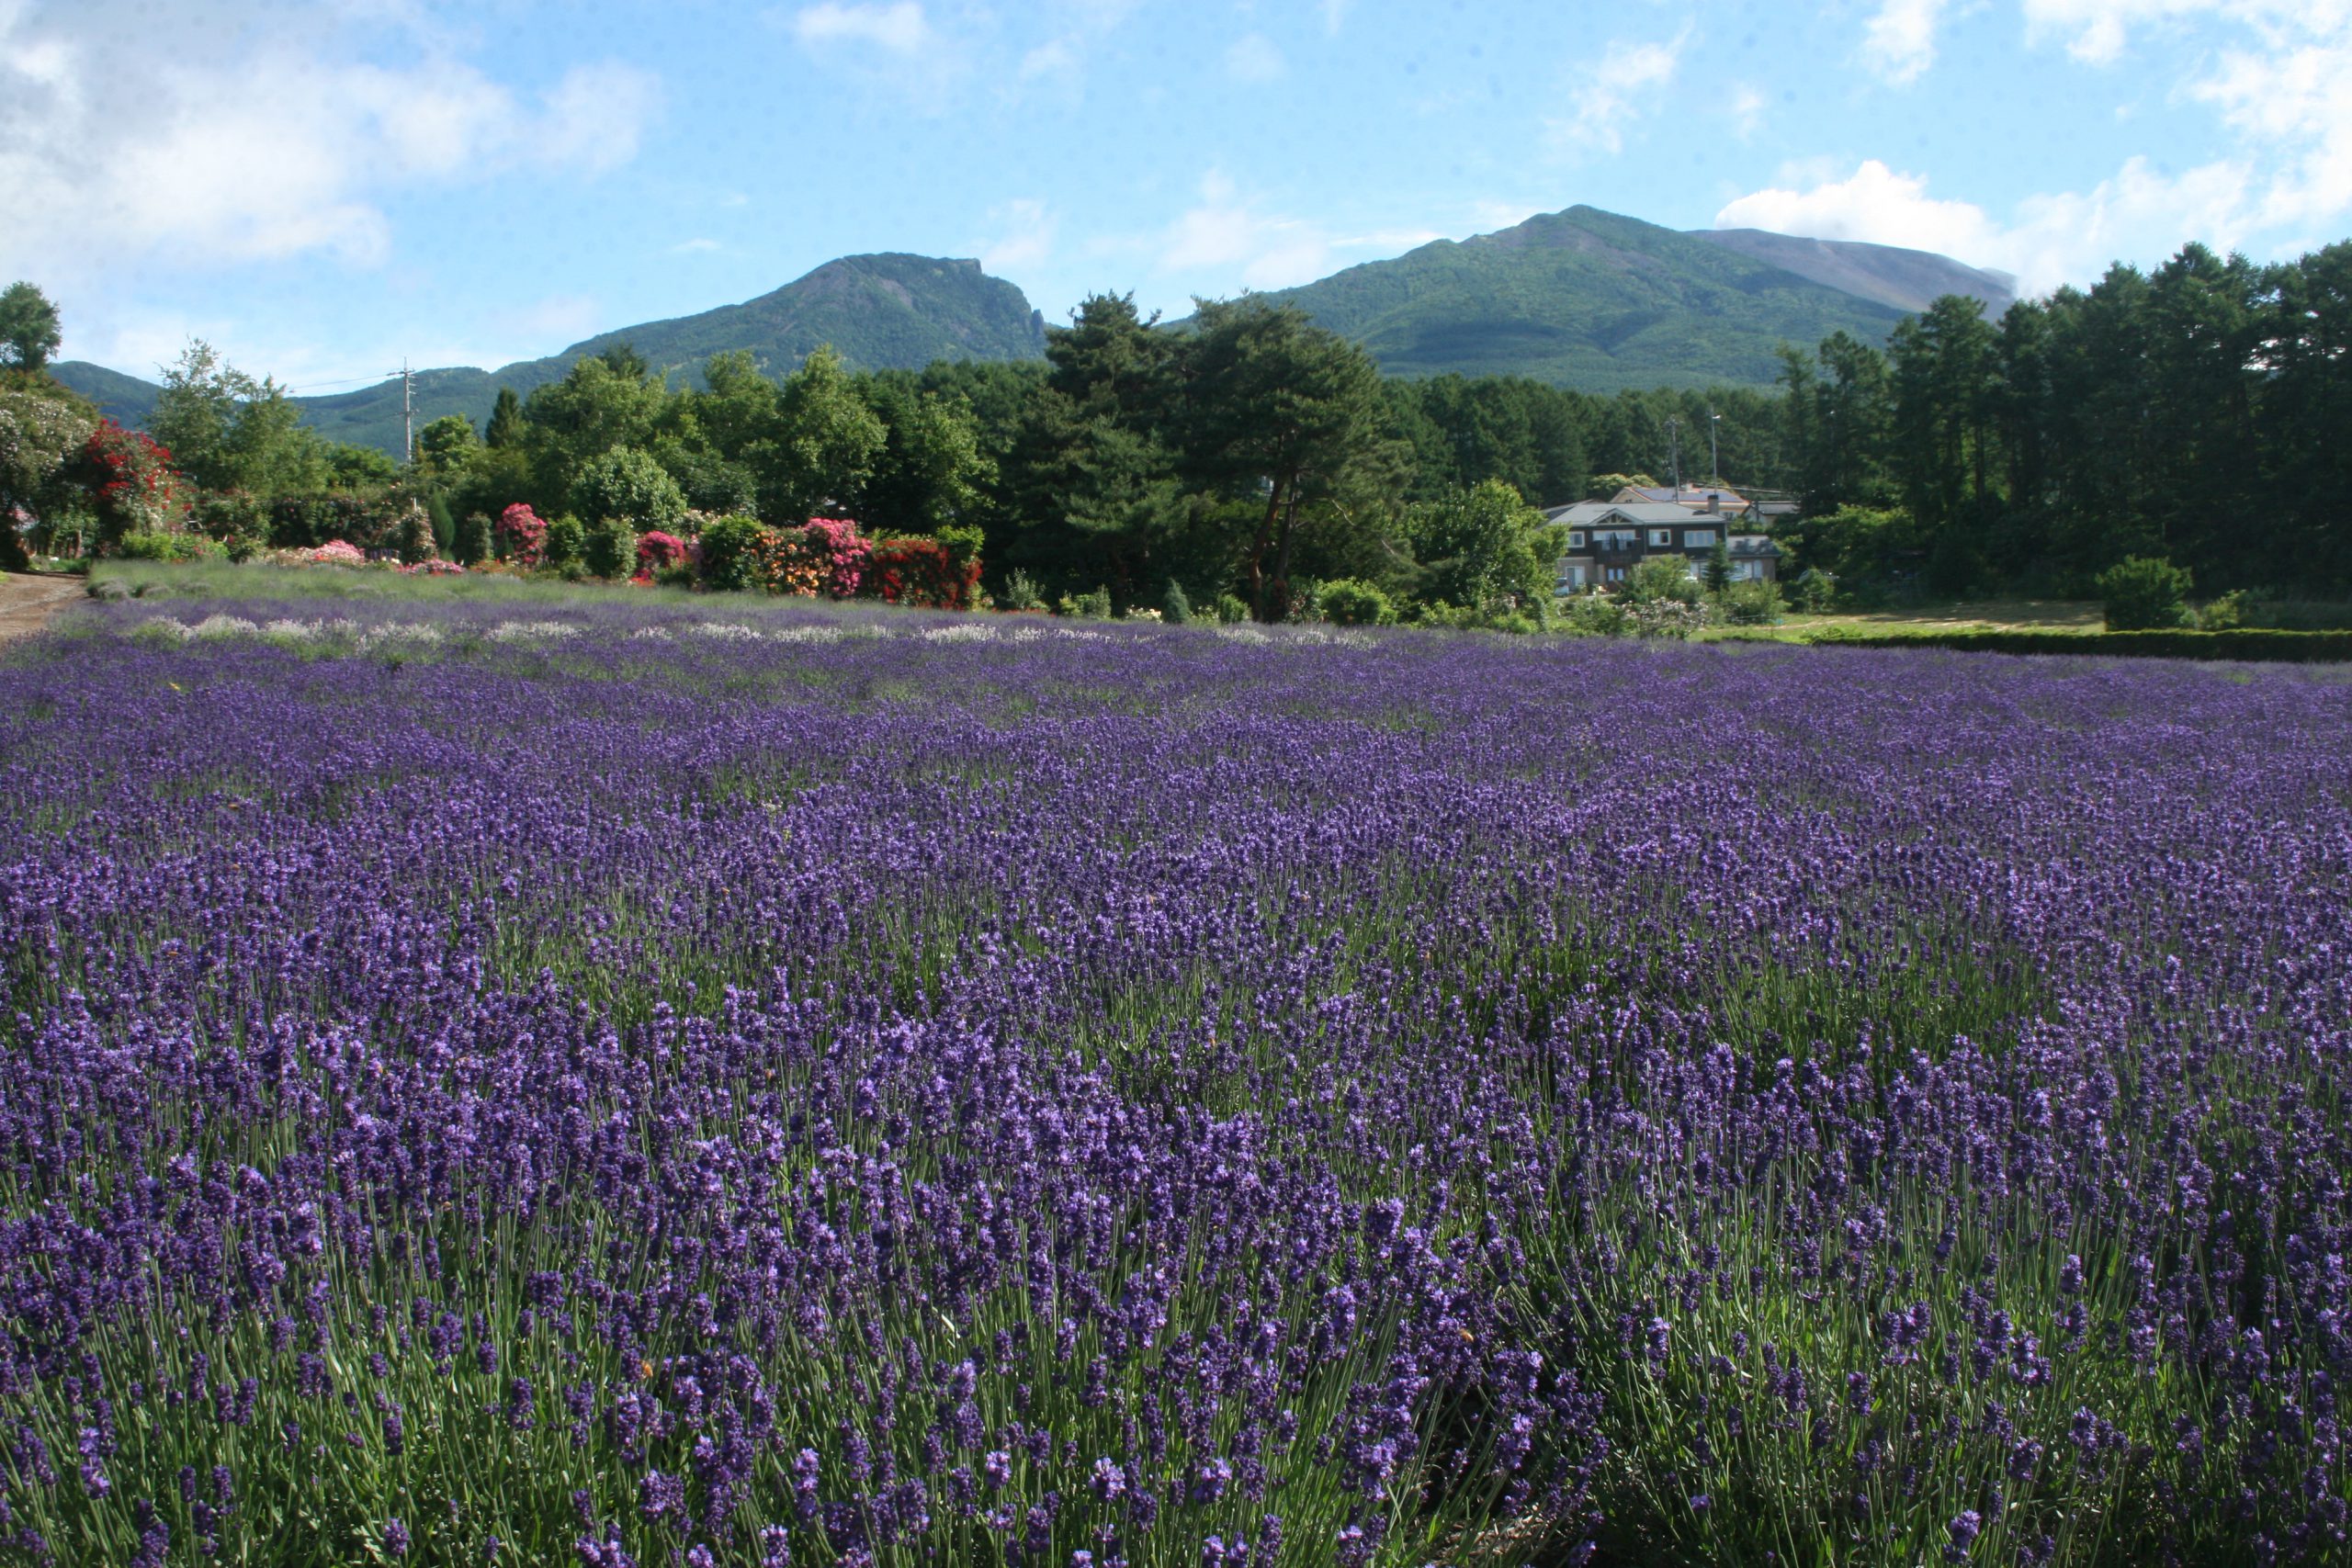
{"x": 27, "y": 603}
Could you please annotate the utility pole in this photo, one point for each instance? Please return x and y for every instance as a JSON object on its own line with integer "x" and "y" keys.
{"x": 1674, "y": 450}
{"x": 408, "y": 411}
{"x": 1714, "y": 458}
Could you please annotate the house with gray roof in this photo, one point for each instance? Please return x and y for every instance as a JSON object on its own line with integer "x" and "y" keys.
{"x": 1605, "y": 540}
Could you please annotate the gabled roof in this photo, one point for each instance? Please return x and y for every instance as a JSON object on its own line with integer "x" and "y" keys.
{"x": 1685, "y": 497}
{"x": 1635, "y": 514}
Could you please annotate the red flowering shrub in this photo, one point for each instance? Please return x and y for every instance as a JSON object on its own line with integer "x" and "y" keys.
{"x": 130, "y": 483}
{"x": 657, "y": 551}
{"x": 522, "y": 536}
{"x": 921, "y": 573}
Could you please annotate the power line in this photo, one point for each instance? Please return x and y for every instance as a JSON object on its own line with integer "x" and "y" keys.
{"x": 348, "y": 381}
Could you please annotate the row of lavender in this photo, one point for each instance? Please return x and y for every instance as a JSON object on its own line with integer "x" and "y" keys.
{"x": 623, "y": 1087}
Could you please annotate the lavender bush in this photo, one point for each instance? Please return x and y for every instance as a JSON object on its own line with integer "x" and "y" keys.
{"x": 620, "y": 1085}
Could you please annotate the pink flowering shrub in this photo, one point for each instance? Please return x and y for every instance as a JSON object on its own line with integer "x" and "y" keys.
{"x": 338, "y": 552}
{"x": 840, "y": 554}
{"x": 522, "y": 536}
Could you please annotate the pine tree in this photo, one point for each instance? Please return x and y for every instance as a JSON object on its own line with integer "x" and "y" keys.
{"x": 505, "y": 420}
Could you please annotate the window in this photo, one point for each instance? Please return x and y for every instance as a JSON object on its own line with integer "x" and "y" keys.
{"x": 1614, "y": 538}
{"x": 1616, "y": 574}
{"x": 1697, "y": 538}
{"x": 1661, "y": 538}
{"x": 1576, "y": 539}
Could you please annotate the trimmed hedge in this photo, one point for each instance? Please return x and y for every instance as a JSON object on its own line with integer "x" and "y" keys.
{"x": 2253, "y": 644}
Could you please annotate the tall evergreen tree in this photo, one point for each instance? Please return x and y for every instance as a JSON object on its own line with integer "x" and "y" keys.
{"x": 505, "y": 428}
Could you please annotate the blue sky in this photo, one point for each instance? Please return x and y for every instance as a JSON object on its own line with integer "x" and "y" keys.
{"x": 324, "y": 188}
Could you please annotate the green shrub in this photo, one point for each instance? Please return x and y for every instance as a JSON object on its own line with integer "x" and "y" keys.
{"x": 1655, "y": 578}
{"x": 2226, "y": 613}
{"x": 962, "y": 542}
{"x": 1752, "y": 604}
{"x": 414, "y": 535}
{"x": 567, "y": 541}
{"x": 1020, "y": 591}
{"x": 471, "y": 546}
{"x": 627, "y": 484}
{"x": 1174, "y": 608}
{"x": 1231, "y": 610}
{"x": 149, "y": 545}
{"x": 1816, "y": 591}
{"x": 1094, "y": 607}
{"x": 731, "y": 554}
{"x": 610, "y": 549}
{"x": 1352, "y": 602}
{"x": 445, "y": 527}
{"x": 237, "y": 520}
{"x": 1597, "y": 614}
{"x": 2145, "y": 593}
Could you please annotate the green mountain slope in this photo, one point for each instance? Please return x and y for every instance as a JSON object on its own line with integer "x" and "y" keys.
{"x": 126, "y": 399}
{"x": 879, "y": 312}
{"x": 1909, "y": 280}
{"x": 1588, "y": 299}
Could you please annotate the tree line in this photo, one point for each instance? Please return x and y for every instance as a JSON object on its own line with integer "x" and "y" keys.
{"x": 2194, "y": 413}
{"x": 2189, "y": 413}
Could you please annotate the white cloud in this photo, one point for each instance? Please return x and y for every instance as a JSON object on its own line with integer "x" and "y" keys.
{"x": 2099, "y": 31}
{"x": 1051, "y": 58}
{"x": 2062, "y": 237}
{"x": 551, "y": 322}
{"x": 1225, "y": 234}
{"x": 1335, "y": 16}
{"x": 901, "y": 29}
{"x": 695, "y": 246}
{"x": 1254, "y": 58}
{"x": 1025, "y": 237}
{"x": 2276, "y": 83}
{"x": 212, "y": 147}
{"x": 1748, "y": 107}
{"x": 1225, "y": 239}
{"x": 1624, "y": 87}
{"x": 1900, "y": 40}
{"x": 2291, "y": 104}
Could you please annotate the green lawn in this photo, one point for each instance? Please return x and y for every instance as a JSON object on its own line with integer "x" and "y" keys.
{"x": 1976, "y": 615}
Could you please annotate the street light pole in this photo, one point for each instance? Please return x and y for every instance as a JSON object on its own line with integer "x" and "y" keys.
{"x": 1714, "y": 458}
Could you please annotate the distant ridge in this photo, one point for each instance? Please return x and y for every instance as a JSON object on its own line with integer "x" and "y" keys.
{"x": 879, "y": 312}
{"x": 1590, "y": 299}
{"x": 1909, "y": 280}
{"x": 1581, "y": 298}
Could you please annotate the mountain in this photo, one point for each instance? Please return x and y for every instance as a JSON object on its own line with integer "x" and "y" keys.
{"x": 1909, "y": 280}
{"x": 1580, "y": 298}
{"x": 126, "y": 399}
{"x": 879, "y": 312}
{"x": 1589, "y": 300}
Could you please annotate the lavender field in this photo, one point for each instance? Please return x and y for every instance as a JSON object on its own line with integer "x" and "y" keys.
{"x": 618, "y": 1085}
